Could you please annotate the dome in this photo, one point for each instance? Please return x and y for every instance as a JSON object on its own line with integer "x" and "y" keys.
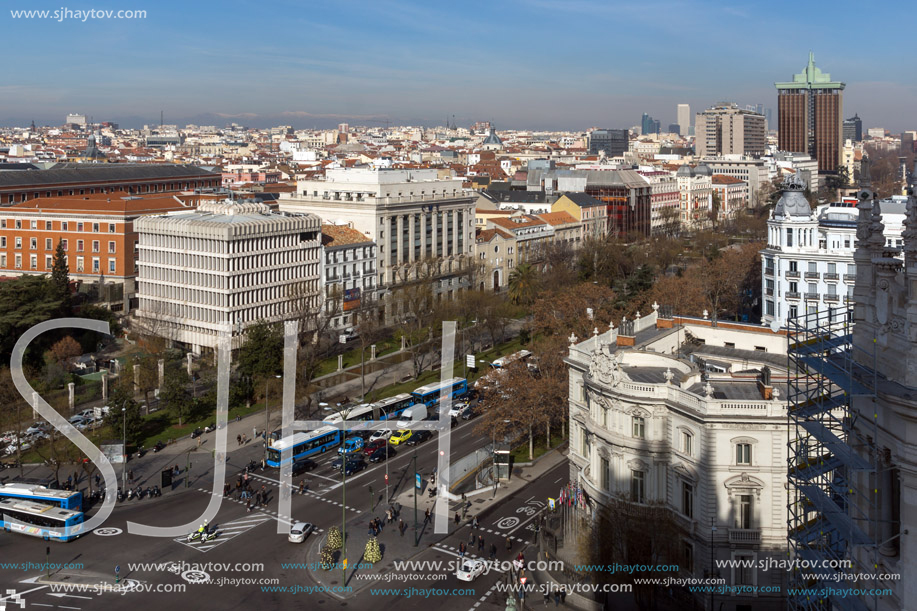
{"x": 702, "y": 170}
{"x": 684, "y": 170}
{"x": 793, "y": 202}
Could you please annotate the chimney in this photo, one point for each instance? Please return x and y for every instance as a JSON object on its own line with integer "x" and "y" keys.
{"x": 626, "y": 335}
{"x": 665, "y": 319}
{"x": 764, "y": 384}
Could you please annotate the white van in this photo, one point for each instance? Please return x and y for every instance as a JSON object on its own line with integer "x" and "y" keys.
{"x": 414, "y": 413}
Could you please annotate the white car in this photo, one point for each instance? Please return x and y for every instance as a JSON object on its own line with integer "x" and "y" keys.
{"x": 38, "y": 427}
{"x": 457, "y": 409}
{"x": 87, "y": 413}
{"x": 381, "y": 434}
{"x": 76, "y": 420}
{"x": 470, "y": 569}
{"x": 299, "y": 532}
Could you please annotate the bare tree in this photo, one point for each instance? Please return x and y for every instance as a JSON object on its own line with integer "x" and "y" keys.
{"x": 316, "y": 313}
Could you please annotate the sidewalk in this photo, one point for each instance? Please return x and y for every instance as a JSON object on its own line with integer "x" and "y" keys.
{"x": 395, "y": 547}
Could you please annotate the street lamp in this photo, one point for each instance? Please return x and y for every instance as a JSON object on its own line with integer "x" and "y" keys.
{"x": 266, "y": 414}
{"x": 388, "y": 499}
{"x": 343, "y": 413}
{"x": 493, "y": 455}
{"x": 124, "y": 446}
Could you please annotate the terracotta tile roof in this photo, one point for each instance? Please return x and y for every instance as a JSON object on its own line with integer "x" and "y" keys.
{"x": 511, "y": 224}
{"x": 108, "y": 203}
{"x": 342, "y": 235}
{"x": 486, "y": 235}
{"x": 722, "y": 179}
{"x": 557, "y": 218}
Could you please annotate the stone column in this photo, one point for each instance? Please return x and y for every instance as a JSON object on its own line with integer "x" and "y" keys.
{"x": 402, "y": 256}
{"x": 188, "y": 356}
{"x": 71, "y": 395}
{"x": 402, "y": 343}
{"x": 340, "y": 362}
{"x": 136, "y": 378}
{"x": 372, "y": 352}
{"x": 34, "y": 405}
{"x": 162, "y": 372}
{"x": 104, "y": 385}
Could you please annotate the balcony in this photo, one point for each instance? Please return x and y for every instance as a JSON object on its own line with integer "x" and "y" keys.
{"x": 792, "y": 295}
{"x": 848, "y": 299}
{"x": 812, "y": 296}
{"x": 812, "y": 275}
{"x": 745, "y": 536}
{"x": 792, "y": 274}
{"x": 830, "y": 276}
{"x": 832, "y": 297}
{"x": 768, "y": 271}
{"x": 850, "y": 277}
{"x": 769, "y": 292}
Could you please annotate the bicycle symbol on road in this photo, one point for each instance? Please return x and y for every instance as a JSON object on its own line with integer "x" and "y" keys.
{"x": 529, "y": 511}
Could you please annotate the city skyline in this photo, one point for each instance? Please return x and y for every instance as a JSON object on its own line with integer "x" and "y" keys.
{"x": 515, "y": 63}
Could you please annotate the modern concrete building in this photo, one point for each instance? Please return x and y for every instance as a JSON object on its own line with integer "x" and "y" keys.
{"x": 680, "y": 413}
{"x": 348, "y": 274}
{"x": 753, "y": 171}
{"x": 810, "y": 111}
{"x": 853, "y": 129}
{"x": 664, "y": 200}
{"x": 726, "y": 129}
{"x": 683, "y": 114}
{"x": 422, "y": 225}
{"x": 808, "y": 264}
{"x": 226, "y": 264}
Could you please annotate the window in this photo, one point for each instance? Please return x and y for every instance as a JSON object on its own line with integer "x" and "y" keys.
{"x": 64, "y": 226}
{"x": 743, "y": 453}
{"x": 79, "y": 246}
{"x": 813, "y": 267}
{"x": 2, "y": 223}
{"x": 687, "y": 442}
{"x": 794, "y": 312}
{"x": 687, "y": 557}
{"x": 769, "y": 307}
{"x": 18, "y": 224}
{"x": 47, "y": 225}
{"x": 794, "y": 266}
{"x": 744, "y": 518}
{"x": 605, "y": 471}
{"x": 18, "y": 261}
{"x": 79, "y": 226}
{"x": 2, "y": 241}
{"x": 95, "y": 228}
{"x": 744, "y": 573}
{"x": 639, "y": 427}
{"x": 789, "y": 237}
{"x": 96, "y": 265}
{"x": 687, "y": 499}
{"x": 3, "y": 260}
{"x": 18, "y": 242}
{"x": 846, "y": 242}
{"x": 95, "y": 246}
{"x": 832, "y": 268}
{"x": 49, "y": 244}
{"x": 637, "y": 486}
{"x": 111, "y": 247}
{"x": 34, "y": 224}
{"x": 49, "y": 262}
{"x": 111, "y": 265}
{"x": 79, "y": 264}
{"x": 111, "y": 228}
{"x": 33, "y": 243}
{"x": 65, "y": 244}
{"x": 33, "y": 261}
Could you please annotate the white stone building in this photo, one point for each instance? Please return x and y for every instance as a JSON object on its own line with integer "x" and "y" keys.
{"x": 695, "y": 189}
{"x": 674, "y": 411}
{"x": 348, "y": 273}
{"x": 225, "y": 263}
{"x": 412, "y": 215}
{"x": 808, "y": 263}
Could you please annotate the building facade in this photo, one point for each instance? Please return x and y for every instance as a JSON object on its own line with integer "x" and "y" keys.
{"x": 732, "y": 194}
{"x": 412, "y": 215}
{"x": 683, "y": 114}
{"x": 589, "y": 211}
{"x": 225, "y": 266}
{"x": 727, "y": 129}
{"x": 853, "y": 129}
{"x": 675, "y": 412}
{"x": 613, "y": 142}
{"x": 348, "y": 275}
{"x": 695, "y": 191}
{"x": 495, "y": 258}
{"x": 753, "y": 171}
{"x": 808, "y": 264}
{"x": 664, "y": 200}
{"x": 810, "y": 111}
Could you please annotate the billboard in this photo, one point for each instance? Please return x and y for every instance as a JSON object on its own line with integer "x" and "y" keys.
{"x": 351, "y": 299}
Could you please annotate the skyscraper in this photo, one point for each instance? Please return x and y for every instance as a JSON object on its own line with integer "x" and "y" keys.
{"x": 649, "y": 125}
{"x": 683, "y": 115}
{"x": 612, "y": 141}
{"x": 809, "y": 111}
{"x": 853, "y": 129}
{"x": 726, "y": 129}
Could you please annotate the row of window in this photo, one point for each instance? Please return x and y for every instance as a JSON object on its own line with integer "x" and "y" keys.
{"x": 49, "y": 244}
{"x": 61, "y": 225}
{"x": 49, "y": 264}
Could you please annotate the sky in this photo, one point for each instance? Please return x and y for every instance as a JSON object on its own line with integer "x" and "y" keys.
{"x": 523, "y": 64}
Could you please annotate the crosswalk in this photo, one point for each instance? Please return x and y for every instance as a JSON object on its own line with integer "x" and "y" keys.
{"x": 227, "y": 532}
{"x": 308, "y": 493}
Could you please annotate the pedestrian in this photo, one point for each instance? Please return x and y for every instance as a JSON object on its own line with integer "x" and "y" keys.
{"x": 238, "y": 440}
{"x": 401, "y": 527}
{"x": 97, "y": 480}
{"x": 199, "y": 440}
{"x": 254, "y": 432}
{"x": 388, "y": 516}
{"x": 458, "y": 518}
{"x": 481, "y": 544}
{"x": 556, "y": 598}
{"x": 462, "y": 549}
{"x": 493, "y": 551}
{"x": 249, "y": 505}
{"x": 563, "y": 595}
{"x": 370, "y": 531}
{"x": 426, "y": 515}
{"x": 471, "y": 538}
{"x": 509, "y": 544}
{"x": 130, "y": 476}
{"x": 258, "y": 498}
{"x": 302, "y": 486}
{"x": 547, "y": 596}
{"x": 474, "y": 522}
{"x": 69, "y": 481}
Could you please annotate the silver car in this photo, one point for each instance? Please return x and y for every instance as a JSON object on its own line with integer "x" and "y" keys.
{"x": 299, "y": 532}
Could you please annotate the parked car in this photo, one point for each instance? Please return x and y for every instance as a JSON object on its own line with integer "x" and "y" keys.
{"x": 87, "y": 413}
{"x": 38, "y": 427}
{"x": 372, "y": 445}
{"x": 457, "y": 408}
{"x": 379, "y": 454}
{"x": 299, "y": 532}
{"x": 470, "y": 569}
{"x": 468, "y": 413}
{"x": 419, "y": 437}
{"x": 400, "y": 437}
{"x": 351, "y": 445}
{"x": 382, "y": 434}
{"x": 76, "y": 420}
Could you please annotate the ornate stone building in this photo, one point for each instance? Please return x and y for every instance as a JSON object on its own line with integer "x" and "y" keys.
{"x": 685, "y": 413}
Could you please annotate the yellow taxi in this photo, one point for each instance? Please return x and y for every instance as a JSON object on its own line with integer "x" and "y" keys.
{"x": 400, "y": 437}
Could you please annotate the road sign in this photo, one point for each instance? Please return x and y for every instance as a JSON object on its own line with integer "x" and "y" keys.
{"x": 117, "y": 568}
{"x": 386, "y": 478}
{"x": 469, "y": 360}
{"x": 418, "y": 481}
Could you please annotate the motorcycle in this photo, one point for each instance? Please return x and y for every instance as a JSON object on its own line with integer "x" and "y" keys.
{"x": 197, "y": 433}
{"x": 159, "y": 445}
{"x": 210, "y": 428}
{"x": 130, "y": 494}
{"x": 197, "y": 534}
{"x": 148, "y": 492}
{"x": 209, "y": 536}
{"x": 432, "y": 492}
{"x": 252, "y": 465}
{"x": 156, "y": 491}
{"x": 120, "y": 495}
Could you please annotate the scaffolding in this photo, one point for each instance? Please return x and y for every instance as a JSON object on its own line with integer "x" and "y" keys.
{"x": 833, "y": 462}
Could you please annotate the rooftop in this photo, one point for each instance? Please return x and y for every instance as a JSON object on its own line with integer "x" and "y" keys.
{"x": 70, "y": 173}
{"x": 342, "y": 235}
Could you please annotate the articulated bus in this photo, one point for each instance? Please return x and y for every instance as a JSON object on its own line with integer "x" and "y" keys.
{"x": 65, "y": 499}
{"x": 430, "y": 394}
{"x": 386, "y": 409}
{"x": 303, "y": 444}
{"x": 38, "y": 520}
{"x": 503, "y": 361}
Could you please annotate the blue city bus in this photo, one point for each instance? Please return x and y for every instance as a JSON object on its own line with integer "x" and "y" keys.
{"x": 65, "y": 499}
{"x": 40, "y": 520}
{"x": 304, "y": 444}
{"x": 357, "y": 413}
{"x": 393, "y": 407}
{"x": 430, "y": 394}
